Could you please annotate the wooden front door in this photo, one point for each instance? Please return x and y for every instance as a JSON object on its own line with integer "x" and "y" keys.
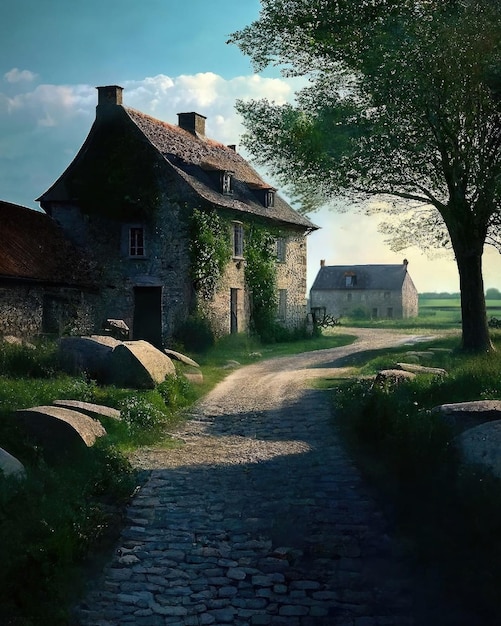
{"x": 147, "y": 323}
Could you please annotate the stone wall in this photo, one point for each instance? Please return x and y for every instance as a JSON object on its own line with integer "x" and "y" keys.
{"x": 410, "y": 306}
{"x": 21, "y": 310}
{"x": 32, "y": 310}
{"x": 291, "y": 277}
{"x": 374, "y": 303}
{"x": 165, "y": 263}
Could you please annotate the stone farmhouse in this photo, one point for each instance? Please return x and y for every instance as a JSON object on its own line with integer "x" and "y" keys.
{"x": 126, "y": 204}
{"x": 376, "y": 291}
{"x": 45, "y": 283}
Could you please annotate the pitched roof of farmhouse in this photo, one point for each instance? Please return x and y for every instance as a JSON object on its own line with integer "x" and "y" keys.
{"x": 382, "y": 277}
{"x": 35, "y": 249}
{"x": 191, "y": 155}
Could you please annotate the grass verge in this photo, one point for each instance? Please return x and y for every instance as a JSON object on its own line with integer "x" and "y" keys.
{"x": 447, "y": 514}
{"x": 52, "y": 522}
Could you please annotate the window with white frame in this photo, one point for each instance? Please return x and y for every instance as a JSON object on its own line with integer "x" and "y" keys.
{"x": 282, "y": 304}
{"x": 238, "y": 240}
{"x": 281, "y": 249}
{"x": 136, "y": 241}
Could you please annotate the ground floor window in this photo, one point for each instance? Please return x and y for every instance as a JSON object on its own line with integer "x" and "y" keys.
{"x": 282, "y": 304}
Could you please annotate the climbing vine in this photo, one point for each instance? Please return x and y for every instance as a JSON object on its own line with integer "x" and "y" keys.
{"x": 210, "y": 251}
{"x": 261, "y": 279}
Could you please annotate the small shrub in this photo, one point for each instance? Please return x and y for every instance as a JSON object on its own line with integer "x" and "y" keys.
{"x": 195, "y": 334}
{"x": 140, "y": 415}
{"x": 176, "y": 391}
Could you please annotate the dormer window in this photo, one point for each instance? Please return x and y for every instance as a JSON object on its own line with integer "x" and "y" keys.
{"x": 226, "y": 183}
{"x": 136, "y": 241}
{"x": 350, "y": 279}
{"x": 269, "y": 198}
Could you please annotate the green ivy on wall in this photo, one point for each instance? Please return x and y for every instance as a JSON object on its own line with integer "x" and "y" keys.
{"x": 261, "y": 278}
{"x": 210, "y": 251}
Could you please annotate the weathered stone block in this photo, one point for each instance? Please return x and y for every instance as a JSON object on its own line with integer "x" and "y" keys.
{"x": 89, "y": 408}
{"x": 59, "y": 430}
{"x": 10, "y": 466}
{"x": 87, "y": 354}
{"x": 481, "y": 445}
{"x": 139, "y": 365}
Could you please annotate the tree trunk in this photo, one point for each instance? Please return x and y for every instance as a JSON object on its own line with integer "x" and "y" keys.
{"x": 474, "y": 315}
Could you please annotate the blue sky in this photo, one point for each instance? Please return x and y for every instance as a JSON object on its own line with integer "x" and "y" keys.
{"x": 169, "y": 56}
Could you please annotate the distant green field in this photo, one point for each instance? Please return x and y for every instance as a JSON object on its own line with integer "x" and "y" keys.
{"x": 448, "y": 310}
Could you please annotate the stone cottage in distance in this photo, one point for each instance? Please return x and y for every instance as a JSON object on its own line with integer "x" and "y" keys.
{"x": 127, "y": 201}
{"x": 376, "y": 291}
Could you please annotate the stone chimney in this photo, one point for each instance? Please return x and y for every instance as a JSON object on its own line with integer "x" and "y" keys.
{"x": 110, "y": 95}
{"x": 322, "y": 263}
{"x": 193, "y": 122}
{"x": 406, "y": 262}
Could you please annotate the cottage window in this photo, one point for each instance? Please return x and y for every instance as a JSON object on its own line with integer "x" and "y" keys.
{"x": 269, "y": 198}
{"x": 387, "y": 295}
{"x": 281, "y": 249}
{"x": 389, "y": 312}
{"x": 136, "y": 241}
{"x": 238, "y": 240}
{"x": 350, "y": 280}
{"x": 226, "y": 183}
{"x": 374, "y": 313}
{"x": 282, "y": 304}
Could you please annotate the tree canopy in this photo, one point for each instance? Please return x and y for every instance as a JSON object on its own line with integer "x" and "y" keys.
{"x": 403, "y": 102}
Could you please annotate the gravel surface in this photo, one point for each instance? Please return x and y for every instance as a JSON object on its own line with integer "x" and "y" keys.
{"x": 260, "y": 516}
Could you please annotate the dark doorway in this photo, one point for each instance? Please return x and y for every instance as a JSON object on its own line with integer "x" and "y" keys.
{"x": 147, "y": 322}
{"x": 234, "y": 311}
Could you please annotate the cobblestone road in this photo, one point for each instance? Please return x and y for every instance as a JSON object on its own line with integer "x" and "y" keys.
{"x": 260, "y": 518}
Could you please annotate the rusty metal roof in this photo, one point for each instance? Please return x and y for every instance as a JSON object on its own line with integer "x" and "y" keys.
{"x": 35, "y": 249}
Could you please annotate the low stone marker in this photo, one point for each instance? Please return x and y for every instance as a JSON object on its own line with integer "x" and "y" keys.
{"x": 59, "y": 430}
{"x": 421, "y": 369}
{"x": 89, "y": 408}
{"x": 392, "y": 377}
{"x": 138, "y": 364}
{"x": 117, "y": 329}
{"x": 463, "y": 415}
{"x": 87, "y": 354}
{"x": 182, "y": 358}
{"x": 194, "y": 375}
{"x": 481, "y": 445}
{"x": 10, "y": 466}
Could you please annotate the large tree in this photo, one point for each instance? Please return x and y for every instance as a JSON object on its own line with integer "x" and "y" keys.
{"x": 403, "y": 102}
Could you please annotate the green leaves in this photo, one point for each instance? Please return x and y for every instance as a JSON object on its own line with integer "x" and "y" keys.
{"x": 210, "y": 251}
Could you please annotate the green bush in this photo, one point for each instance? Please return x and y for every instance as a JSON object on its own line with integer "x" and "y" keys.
{"x": 48, "y": 524}
{"x": 195, "y": 334}
{"x": 176, "y": 391}
{"x": 37, "y": 360}
{"x": 448, "y": 512}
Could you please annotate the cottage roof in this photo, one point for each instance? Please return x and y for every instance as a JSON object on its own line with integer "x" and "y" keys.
{"x": 35, "y": 249}
{"x": 193, "y": 157}
{"x": 383, "y": 277}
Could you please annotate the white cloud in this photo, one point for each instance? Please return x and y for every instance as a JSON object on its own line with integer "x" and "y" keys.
{"x": 42, "y": 129}
{"x": 16, "y": 75}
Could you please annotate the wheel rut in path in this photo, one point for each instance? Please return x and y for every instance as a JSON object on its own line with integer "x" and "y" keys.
{"x": 260, "y": 518}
